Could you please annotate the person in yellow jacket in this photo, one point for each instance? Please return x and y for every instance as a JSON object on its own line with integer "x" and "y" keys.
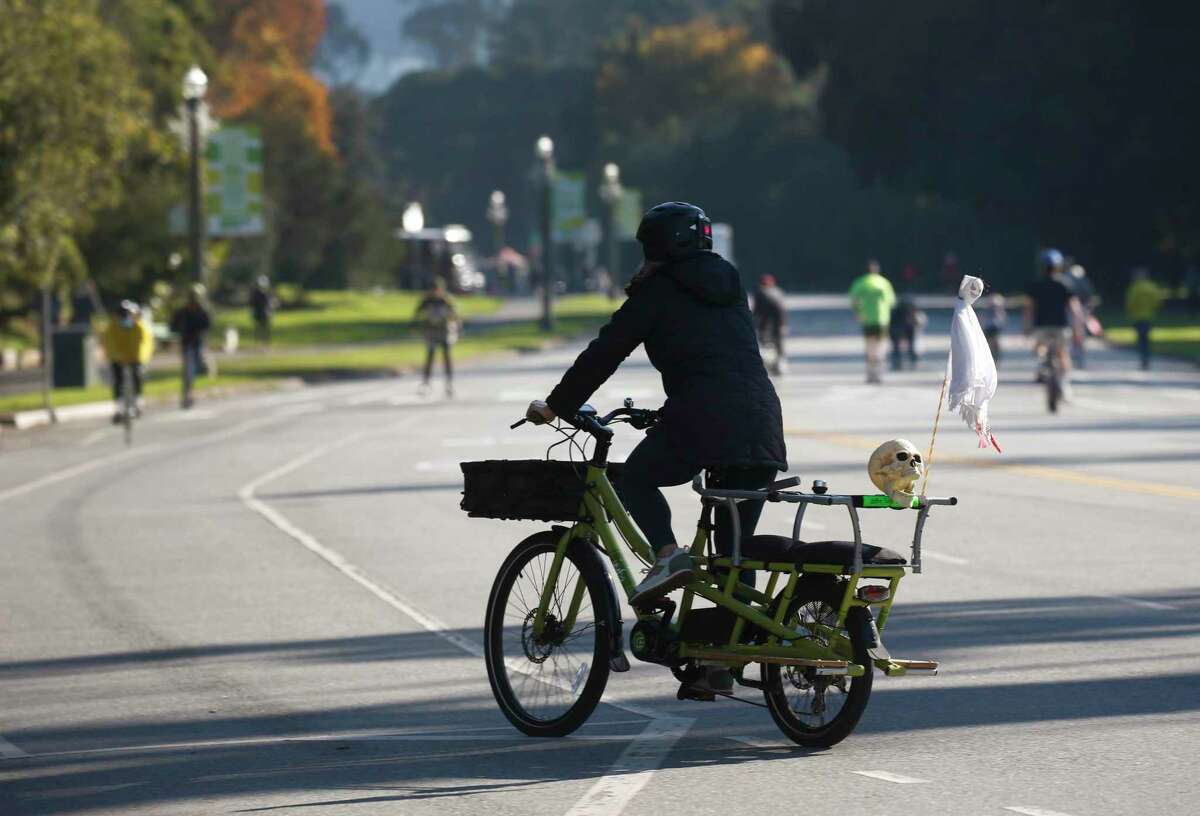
{"x": 129, "y": 344}
{"x": 872, "y": 298}
{"x": 1143, "y": 299}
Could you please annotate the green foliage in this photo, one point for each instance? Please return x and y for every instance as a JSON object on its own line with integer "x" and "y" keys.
{"x": 70, "y": 106}
{"x": 1049, "y": 117}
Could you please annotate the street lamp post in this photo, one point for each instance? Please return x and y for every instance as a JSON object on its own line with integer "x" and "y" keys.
{"x": 497, "y": 215}
{"x": 413, "y": 221}
{"x": 610, "y": 192}
{"x": 195, "y": 84}
{"x": 545, "y": 153}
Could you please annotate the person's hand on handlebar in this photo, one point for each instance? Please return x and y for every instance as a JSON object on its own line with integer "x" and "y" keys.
{"x": 539, "y": 413}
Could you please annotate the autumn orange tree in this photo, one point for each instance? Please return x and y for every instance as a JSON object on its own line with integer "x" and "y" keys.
{"x": 263, "y": 76}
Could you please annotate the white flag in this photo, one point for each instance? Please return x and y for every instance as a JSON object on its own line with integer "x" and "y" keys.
{"x": 972, "y": 369}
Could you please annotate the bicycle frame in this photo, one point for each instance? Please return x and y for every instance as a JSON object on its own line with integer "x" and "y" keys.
{"x": 603, "y": 518}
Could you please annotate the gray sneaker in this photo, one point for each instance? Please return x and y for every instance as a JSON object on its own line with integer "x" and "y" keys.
{"x": 666, "y": 575}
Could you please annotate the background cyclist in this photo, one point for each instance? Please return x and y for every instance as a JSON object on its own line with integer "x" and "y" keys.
{"x": 1051, "y": 309}
{"x": 129, "y": 344}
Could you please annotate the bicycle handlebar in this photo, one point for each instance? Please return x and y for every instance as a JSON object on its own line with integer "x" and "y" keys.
{"x": 640, "y": 418}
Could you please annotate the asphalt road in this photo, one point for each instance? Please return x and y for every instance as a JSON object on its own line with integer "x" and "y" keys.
{"x": 275, "y": 604}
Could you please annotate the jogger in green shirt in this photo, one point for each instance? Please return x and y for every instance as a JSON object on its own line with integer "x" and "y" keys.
{"x": 872, "y": 298}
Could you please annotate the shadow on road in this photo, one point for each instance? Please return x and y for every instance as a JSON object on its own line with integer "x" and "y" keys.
{"x": 455, "y": 743}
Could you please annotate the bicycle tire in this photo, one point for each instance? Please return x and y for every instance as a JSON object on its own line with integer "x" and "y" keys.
{"x": 127, "y": 404}
{"x": 1053, "y": 391}
{"x": 540, "y": 548}
{"x": 822, "y": 595}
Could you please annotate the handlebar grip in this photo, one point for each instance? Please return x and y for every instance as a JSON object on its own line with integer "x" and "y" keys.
{"x": 518, "y": 423}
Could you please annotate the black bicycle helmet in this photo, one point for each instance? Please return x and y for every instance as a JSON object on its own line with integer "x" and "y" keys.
{"x": 673, "y": 229}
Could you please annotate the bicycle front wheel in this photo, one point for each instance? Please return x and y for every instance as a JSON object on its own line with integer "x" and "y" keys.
{"x": 548, "y": 684}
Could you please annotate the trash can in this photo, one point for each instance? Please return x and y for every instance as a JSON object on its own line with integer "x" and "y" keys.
{"x": 74, "y": 357}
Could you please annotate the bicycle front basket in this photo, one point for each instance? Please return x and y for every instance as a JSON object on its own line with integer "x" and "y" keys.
{"x": 537, "y": 489}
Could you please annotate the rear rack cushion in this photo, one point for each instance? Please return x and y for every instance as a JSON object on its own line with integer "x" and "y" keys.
{"x": 783, "y": 548}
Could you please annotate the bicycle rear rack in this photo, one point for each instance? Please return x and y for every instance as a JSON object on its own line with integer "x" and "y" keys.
{"x": 779, "y": 492}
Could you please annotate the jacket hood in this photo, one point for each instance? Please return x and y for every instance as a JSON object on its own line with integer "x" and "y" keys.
{"x": 706, "y": 276}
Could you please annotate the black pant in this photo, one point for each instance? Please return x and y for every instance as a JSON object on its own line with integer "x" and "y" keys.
{"x": 118, "y": 377}
{"x": 431, "y": 347}
{"x": 654, "y": 464}
{"x": 903, "y": 337}
{"x": 1143, "y": 341}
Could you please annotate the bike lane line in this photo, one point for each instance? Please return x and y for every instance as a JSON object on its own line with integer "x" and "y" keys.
{"x": 141, "y": 450}
{"x": 613, "y": 791}
{"x": 888, "y": 776}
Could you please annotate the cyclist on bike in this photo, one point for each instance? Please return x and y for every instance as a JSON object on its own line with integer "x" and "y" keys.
{"x": 1051, "y": 308}
{"x": 129, "y": 344}
{"x": 687, "y": 305}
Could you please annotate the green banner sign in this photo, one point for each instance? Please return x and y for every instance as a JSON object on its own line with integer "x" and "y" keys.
{"x": 629, "y": 212}
{"x": 234, "y": 197}
{"x": 568, "y": 204}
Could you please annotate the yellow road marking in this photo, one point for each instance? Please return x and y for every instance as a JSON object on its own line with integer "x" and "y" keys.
{"x": 1036, "y": 471}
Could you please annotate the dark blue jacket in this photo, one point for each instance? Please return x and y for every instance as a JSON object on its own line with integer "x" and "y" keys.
{"x": 691, "y": 314}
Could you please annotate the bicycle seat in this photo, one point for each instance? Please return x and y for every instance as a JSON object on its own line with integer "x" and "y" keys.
{"x": 784, "y": 548}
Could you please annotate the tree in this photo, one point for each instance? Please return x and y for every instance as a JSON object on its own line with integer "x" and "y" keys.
{"x": 1048, "y": 116}
{"x": 70, "y": 105}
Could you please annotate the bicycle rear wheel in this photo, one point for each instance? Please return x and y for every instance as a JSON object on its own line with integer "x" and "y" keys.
{"x": 548, "y": 685}
{"x": 812, "y": 710}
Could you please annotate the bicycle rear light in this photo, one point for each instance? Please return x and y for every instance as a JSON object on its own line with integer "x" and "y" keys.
{"x": 873, "y": 593}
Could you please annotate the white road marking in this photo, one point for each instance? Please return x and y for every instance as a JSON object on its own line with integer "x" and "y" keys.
{"x": 94, "y": 437}
{"x": 10, "y": 751}
{"x": 1028, "y": 811}
{"x": 632, "y": 769}
{"x": 76, "y": 470}
{"x": 888, "y": 776}
{"x": 139, "y": 450}
{"x": 947, "y": 559}
{"x": 191, "y": 415}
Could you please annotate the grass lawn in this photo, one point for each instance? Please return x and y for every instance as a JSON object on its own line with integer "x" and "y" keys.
{"x": 576, "y": 315}
{"x": 343, "y": 317}
{"x": 1174, "y": 335}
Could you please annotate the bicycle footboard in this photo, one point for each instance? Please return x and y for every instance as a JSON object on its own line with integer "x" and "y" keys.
{"x": 895, "y": 667}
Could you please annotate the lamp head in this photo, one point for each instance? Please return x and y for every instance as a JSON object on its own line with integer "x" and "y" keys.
{"x": 195, "y": 84}
{"x": 545, "y": 148}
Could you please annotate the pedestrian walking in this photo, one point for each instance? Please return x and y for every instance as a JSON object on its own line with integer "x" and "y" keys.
{"x": 770, "y": 321}
{"x": 872, "y": 297}
{"x": 1143, "y": 299}
{"x": 994, "y": 317}
{"x": 1077, "y": 279}
{"x": 262, "y": 309}
{"x": 129, "y": 344}
{"x": 438, "y": 319}
{"x": 191, "y": 323}
{"x": 904, "y": 329}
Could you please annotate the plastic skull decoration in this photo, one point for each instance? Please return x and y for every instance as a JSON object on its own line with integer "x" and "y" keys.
{"x": 895, "y": 467}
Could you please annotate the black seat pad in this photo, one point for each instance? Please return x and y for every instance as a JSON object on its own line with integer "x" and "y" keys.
{"x": 783, "y": 548}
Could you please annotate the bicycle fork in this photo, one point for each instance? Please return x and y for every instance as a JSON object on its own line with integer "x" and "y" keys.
{"x": 610, "y": 622}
